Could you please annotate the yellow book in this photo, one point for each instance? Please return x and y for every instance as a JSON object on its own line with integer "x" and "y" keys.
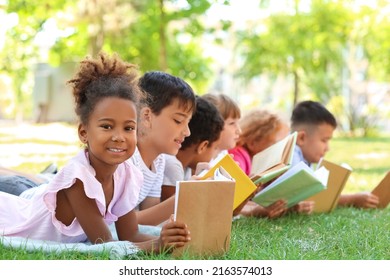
{"x": 326, "y": 200}
{"x": 382, "y": 191}
{"x": 273, "y": 161}
{"x": 206, "y": 207}
{"x": 244, "y": 185}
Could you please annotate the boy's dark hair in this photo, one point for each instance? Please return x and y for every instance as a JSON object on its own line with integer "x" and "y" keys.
{"x": 103, "y": 77}
{"x": 162, "y": 88}
{"x": 206, "y": 124}
{"x": 311, "y": 113}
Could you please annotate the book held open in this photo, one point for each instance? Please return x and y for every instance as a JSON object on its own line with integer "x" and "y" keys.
{"x": 274, "y": 160}
{"x": 326, "y": 200}
{"x": 206, "y": 207}
{"x": 244, "y": 186}
{"x": 295, "y": 185}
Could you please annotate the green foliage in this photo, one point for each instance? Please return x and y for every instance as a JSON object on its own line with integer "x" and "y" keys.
{"x": 142, "y": 32}
{"x": 307, "y": 44}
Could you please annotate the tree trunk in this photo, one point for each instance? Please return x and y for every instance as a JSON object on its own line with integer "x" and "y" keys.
{"x": 96, "y": 40}
{"x": 296, "y": 87}
{"x": 163, "y": 43}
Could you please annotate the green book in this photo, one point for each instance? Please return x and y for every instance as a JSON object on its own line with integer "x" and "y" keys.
{"x": 295, "y": 185}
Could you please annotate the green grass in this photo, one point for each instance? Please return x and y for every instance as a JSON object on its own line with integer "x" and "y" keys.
{"x": 346, "y": 233}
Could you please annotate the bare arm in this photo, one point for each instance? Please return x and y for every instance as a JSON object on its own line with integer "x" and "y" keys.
{"x": 173, "y": 234}
{"x": 149, "y": 202}
{"x": 167, "y": 192}
{"x": 73, "y": 203}
{"x": 359, "y": 200}
{"x": 157, "y": 214}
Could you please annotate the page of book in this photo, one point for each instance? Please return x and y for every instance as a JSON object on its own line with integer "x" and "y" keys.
{"x": 326, "y": 200}
{"x": 279, "y": 154}
{"x": 295, "y": 185}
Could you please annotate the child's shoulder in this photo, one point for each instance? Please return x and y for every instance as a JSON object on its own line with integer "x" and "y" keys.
{"x": 137, "y": 161}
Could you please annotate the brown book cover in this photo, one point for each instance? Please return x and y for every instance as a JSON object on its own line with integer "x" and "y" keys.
{"x": 206, "y": 207}
{"x": 326, "y": 200}
{"x": 382, "y": 191}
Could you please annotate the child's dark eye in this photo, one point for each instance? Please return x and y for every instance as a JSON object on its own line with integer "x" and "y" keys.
{"x": 177, "y": 121}
{"x": 106, "y": 126}
{"x": 129, "y": 128}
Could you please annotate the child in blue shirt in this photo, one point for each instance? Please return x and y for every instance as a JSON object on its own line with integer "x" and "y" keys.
{"x": 315, "y": 126}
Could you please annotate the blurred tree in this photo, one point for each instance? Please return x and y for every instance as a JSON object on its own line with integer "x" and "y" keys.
{"x": 306, "y": 44}
{"x": 329, "y": 48}
{"x": 155, "y": 34}
{"x": 20, "y": 51}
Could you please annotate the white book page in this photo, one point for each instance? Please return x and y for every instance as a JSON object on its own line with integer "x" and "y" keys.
{"x": 221, "y": 174}
{"x": 269, "y": 157}
{"x": 176, "y": 199}
{"x": 322, "y": 174}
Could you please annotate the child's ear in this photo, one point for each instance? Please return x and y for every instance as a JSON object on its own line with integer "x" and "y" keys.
{"x": 301, "y": 137}
{"x": 82, "y": 131}
{"x": 202, "y": 146}
{"x": 146, "y": 117}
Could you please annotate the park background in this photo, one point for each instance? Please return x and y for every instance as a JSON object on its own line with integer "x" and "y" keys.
{"x": 264, "y": 54}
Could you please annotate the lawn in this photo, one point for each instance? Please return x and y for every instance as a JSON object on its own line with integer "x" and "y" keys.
{"x": 343, "y": 234}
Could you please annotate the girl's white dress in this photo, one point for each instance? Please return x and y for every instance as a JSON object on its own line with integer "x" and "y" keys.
{"x": 35, "y": 217}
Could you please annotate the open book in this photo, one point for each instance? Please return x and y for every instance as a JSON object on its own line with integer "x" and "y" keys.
{"x": 326, "y": 200}
{"x": 274, "y": 160}
{"x": 382, "y": 191}
{"x": 244, "y": 185}
{"x": 296, "y": 184}
{"x": 206, "y": 207}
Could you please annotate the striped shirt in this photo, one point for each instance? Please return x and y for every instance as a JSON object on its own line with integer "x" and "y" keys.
{"x": 153, "y": 179}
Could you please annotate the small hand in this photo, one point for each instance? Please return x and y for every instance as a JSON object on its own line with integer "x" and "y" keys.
{"x": 304, "y": 207}
{"x": 365, "y": 200}
{"x": 174, "y": 234}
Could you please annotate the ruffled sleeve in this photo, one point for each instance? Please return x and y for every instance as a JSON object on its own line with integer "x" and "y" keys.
{"x": 127, "y": 182}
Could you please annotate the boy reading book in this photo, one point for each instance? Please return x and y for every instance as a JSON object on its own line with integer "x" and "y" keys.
{"x": 315, "y": 126}
{"x": 201, "y": 146}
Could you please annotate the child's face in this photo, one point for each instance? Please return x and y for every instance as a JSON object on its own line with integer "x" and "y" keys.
{"x": 169, "y": 128}
{"x": 110, "y": 132}
{"x": 229, "y": 135}
{"x": 315, "y": 144}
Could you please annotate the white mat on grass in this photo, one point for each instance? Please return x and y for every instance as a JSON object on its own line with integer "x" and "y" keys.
{"x": 116, "y": 249}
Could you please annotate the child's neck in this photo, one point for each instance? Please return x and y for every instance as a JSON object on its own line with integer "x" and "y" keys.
{"x": 147, "y": 153}
{"x": 186, "y": 157}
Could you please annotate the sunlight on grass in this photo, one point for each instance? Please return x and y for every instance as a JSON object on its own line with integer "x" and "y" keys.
{"x": 30, "y": 148}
